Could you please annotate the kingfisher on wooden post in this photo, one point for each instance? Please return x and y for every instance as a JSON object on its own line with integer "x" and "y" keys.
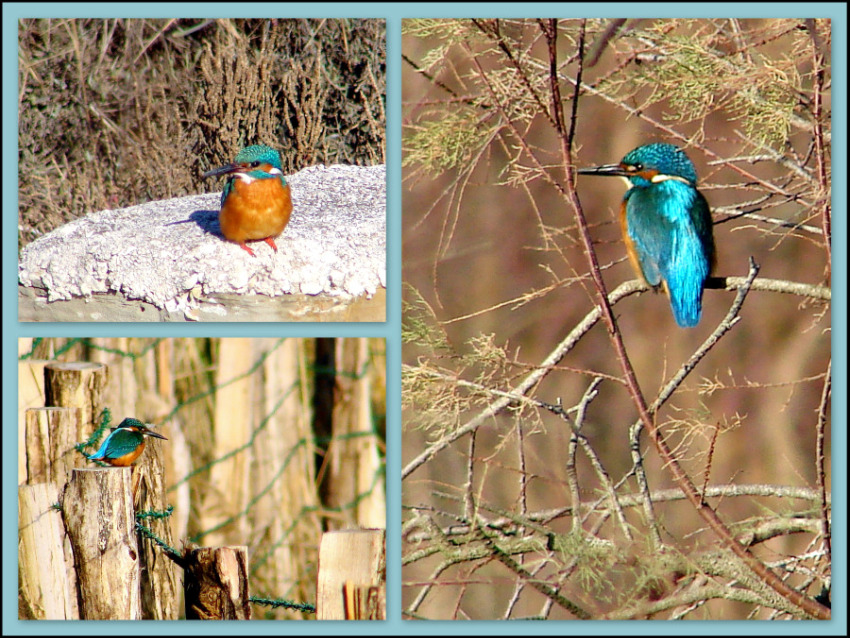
{"x": 124, "y": 444}
{"x": 256, "y": 201}
{"x": 666, "y": 225}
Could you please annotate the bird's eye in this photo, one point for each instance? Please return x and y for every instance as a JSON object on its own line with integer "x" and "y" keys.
{"x": 636, "y": 168}
{"x": 255, "y": 163}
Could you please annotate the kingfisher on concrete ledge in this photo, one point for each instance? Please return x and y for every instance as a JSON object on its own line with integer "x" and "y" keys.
{"x": 124, "y": 444}
{"x": 666, "y": 225}
{"x": 256, "y": 202}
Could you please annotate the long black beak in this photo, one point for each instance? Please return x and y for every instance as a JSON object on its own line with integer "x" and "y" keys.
{"x": 154, "y": 434}
{"x": 615, "y": 170}
{"x": 223, "y": 170}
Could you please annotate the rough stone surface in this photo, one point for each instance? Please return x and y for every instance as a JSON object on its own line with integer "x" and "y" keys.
{"x": 169, "y": 257}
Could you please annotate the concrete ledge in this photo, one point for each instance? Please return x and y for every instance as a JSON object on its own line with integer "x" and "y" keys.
{"x": 33, "y": 306}
{"x": 167, "y": 261}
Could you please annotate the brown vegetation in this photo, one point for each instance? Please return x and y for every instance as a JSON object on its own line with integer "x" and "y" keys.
{"x": 551, "y": 436}
{"x": 122, "y": 111}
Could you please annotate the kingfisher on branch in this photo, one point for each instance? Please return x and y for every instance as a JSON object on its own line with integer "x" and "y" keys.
{"x": 256, "y": 202}
{"x": 666, "y": 225}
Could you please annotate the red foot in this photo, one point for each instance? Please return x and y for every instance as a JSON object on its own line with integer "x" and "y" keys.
{"x": 271, "y": 243}
{"x": 244, "y": 246}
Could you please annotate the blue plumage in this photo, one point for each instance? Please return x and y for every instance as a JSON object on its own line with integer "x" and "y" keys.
{"x": 666, "y": 225}
{"x": 124, "y": 444}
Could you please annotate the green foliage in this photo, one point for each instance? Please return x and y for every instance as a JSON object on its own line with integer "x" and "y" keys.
{"x": 691, "y": 71}
{"x": 419, "y": 325}
{"x": 445, "y": 143}
{"x": 444, "y": 30}
{"x": 430, "y": 390}
{"x": 591, "y": 558}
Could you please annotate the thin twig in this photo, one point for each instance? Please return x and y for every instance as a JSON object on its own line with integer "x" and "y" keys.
{"x": 820, "y": 459}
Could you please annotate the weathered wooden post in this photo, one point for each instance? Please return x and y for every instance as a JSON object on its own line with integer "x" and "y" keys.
{"x": 216, "y": 583}
{"x": 47, "y": 583}
{"x": 76, "y": 385}
{"x": 352, "y": 575}
{"x": 47, "y": 578}
{"x": 50, "y": 435}
{"x": 97, "y": 508}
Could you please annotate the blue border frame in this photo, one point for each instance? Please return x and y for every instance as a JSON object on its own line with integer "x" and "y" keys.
{"x": 394, "y": 12}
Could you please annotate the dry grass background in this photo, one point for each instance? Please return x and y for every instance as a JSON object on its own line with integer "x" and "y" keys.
{"x": 123, "y": 111}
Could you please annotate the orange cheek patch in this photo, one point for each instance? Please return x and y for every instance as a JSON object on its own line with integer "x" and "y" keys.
{"x": 647, "y": 174}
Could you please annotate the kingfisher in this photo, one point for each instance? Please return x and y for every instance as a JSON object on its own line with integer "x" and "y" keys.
{"x": 666, "y": 225}
{"x": 256, "y": 201}
{"x": 124, "y": 444}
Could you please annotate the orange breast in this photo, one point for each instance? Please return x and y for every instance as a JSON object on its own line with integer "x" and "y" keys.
{"x": 630, "y": 245}
{"x": 255, "y": 210}
{"x": 127, "y": 459}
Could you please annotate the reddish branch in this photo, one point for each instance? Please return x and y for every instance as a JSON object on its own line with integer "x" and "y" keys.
{"x": 808, "y": 605}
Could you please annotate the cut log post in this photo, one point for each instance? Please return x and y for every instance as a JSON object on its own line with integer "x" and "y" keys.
{"x": 47, "y": 585}
{"x": 216, "y": 583}
{"x": 160, "y": 587}
{"x": 98, "y": 510}
{"x": 49, "y": 439}
{"x": 365, "y": 602}
{"x": 76, "y": 385}
{"x": 30, "y": 395}
{"x": 350, "y": 560}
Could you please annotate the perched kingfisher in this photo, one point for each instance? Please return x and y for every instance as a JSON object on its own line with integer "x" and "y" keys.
{"x": 256, "y": 202}
{"x": 124, "y": 444}
{"x": 666, "y": 225}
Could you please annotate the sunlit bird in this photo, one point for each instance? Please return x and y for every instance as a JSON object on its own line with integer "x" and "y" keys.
{"x": 256, "y": 202}
{"x": 666, "y": 225}
{"x": 124, "y": 444}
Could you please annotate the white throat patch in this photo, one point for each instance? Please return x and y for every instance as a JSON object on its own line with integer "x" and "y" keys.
{"x": 663, "y": 178}
{"x": 245, "y": 177}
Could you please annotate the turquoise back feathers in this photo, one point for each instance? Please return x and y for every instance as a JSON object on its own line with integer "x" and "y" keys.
{"x": 124, "y": 444}
{"x": 667, "y": 226}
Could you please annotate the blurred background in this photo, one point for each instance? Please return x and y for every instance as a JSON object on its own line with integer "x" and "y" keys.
{"x": 496, "y": 277}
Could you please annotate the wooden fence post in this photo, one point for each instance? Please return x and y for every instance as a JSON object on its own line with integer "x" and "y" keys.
{"x": 160, "y": 584}
{"x": 77, "y": 384}
{"x": 352, "y": 575}
{"x": 216, "y": 583}
{"x": 47, "y": 586}
{"x": 50, "y": 435}
{"x": 98, "y": 510}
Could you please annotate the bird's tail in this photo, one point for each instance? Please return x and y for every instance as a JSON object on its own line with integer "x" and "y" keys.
{"x": 685, "y": 292}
